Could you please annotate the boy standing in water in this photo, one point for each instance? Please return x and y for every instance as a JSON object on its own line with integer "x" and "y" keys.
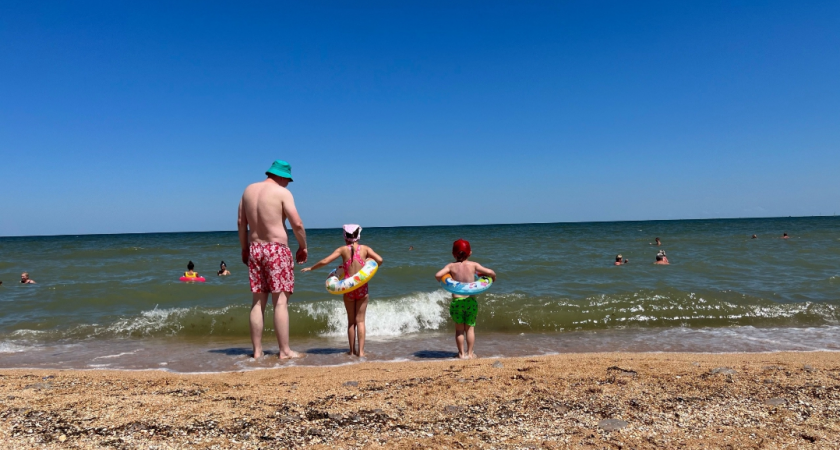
{"x": 464, "y": 309}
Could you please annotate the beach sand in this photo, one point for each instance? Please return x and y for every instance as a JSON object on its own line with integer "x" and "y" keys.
{"x": 607, "y": 400}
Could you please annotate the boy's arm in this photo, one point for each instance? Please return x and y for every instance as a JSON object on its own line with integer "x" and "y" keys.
{"x": 324, "y": 261}
{"x": 481, "y": 270}
{"x": 375, "y": 256}
{"x": 442, "y": 272}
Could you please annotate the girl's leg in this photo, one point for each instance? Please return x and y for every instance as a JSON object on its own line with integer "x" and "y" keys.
{"x": 350, "y": 307}
{"x": 470, "y": 332}
{"x": 361, "y": 307}
{"x": 459, "y": 339}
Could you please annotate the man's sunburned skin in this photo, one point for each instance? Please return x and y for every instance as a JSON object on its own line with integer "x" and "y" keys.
{"x": 263, "y": 211}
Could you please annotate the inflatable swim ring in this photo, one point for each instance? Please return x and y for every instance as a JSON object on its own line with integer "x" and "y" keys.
{"x": 189, "y": 280}
{"x": 480, "y": 285}
{"x": 339, "y": 287}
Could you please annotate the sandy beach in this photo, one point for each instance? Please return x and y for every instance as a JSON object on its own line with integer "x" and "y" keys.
{"x": 607, "y": 400}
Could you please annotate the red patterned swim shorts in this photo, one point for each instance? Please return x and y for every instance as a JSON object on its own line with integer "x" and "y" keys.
{"x": 271, "y": 267}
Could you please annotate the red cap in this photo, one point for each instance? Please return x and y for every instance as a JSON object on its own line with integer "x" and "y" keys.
{"x": 461, "y": 249}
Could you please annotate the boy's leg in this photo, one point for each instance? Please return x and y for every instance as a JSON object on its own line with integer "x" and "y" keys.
{"x": 361, "y": 307}
{"x": 281, "y": 323}
{"x": 350, "y": 307}
{"x": 470, "y": 332}
{"x": 257, "y": 311}
{"x": 459, "y": 339}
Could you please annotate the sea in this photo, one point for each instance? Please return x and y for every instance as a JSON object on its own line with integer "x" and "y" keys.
{"x": 115, "y": 301}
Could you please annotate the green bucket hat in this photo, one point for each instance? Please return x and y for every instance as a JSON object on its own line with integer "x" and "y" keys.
{"x": 281, "y": 169}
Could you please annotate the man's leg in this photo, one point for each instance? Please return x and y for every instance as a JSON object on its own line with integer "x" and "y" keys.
{"x": 257, "y": 311}
{"x": 361, "y": 307}
{"x": 281, "y": 323}
{"x": 350, "y": 307}
{"x": 459, "y": 339}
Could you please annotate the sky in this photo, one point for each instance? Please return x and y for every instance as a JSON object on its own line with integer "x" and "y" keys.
{"x": 119, "y": 117}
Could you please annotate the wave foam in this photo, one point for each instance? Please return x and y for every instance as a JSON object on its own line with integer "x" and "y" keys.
{"x": 409, "y": 314}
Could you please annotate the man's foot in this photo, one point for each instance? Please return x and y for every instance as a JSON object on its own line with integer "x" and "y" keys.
{"x": 291, "y": 354}
{"x": 257, "y": 354}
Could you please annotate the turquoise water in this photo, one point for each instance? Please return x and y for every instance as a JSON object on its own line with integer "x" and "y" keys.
{"x": 556, "y": 284}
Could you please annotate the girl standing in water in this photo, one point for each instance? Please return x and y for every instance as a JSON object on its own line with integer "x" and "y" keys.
{"x": 353, "y": 256}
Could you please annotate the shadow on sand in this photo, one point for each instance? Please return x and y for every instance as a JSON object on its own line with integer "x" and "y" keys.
{"x": 326, "y": 351}
{"x": 237, "y": 351}
{"x": 435, "y": 354}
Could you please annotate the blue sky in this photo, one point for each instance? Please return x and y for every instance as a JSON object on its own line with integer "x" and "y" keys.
{"x": 153, "y": 116}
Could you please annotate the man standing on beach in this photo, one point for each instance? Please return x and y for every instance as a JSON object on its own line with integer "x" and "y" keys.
{"x": 263, "y": 211}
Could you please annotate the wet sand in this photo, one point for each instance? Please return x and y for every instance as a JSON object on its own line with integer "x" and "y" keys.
{"x": 606, "y": 400}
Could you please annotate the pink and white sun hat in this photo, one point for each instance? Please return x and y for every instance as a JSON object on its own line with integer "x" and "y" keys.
{"x": 352, "y": 232}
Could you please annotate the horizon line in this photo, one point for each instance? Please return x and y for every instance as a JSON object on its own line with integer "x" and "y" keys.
{"x": 433, "y": 226}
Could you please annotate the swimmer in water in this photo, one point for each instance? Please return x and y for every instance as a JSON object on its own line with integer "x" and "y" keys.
{"x": 618, "y": 260}
{"x": 754, "y": 237}
{"x": 190, "y": 273}
{"x": 657, "y": 243}
{"x": 661, "y": 258}
{"x": 785, "y": 236}
{"x": 223, "y": 272}
{"x": 410, "y": 247}
{"x": 24, "y": 278}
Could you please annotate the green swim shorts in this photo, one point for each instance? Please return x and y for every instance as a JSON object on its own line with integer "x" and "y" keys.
{"x": 464, "y": 310}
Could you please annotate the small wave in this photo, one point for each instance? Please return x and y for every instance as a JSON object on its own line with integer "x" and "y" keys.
{"x": 8, "y": 347}
{"x": 410, "y": 314}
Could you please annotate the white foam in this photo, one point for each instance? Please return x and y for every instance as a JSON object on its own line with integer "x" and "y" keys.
{"x": 7, "y": 347}
{"x": 151, "y": 321}
{"x": 410, "y": 314}
{"x": 117, "y": 355}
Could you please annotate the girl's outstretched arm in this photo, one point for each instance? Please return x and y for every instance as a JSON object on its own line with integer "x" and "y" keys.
{"x": 485, "y": 271}
{"x": 373, "y": 255}
{"x": 324, "y": 261}
{"x": 442, "y": 272}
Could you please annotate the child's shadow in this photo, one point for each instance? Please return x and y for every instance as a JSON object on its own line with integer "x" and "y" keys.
{"x": 435, "y": 354}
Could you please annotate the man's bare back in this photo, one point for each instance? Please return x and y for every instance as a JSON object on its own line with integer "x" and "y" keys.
{"x": 263, "y": 212}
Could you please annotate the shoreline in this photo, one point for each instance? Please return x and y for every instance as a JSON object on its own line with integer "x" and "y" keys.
{"x": 589, "y": 400}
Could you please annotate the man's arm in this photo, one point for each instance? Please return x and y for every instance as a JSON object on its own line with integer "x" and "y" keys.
{"x": 242, "y": 225}
{"x": 290, "y": 211}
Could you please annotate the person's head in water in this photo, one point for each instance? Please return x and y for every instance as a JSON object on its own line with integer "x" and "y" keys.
{"x": 24, "y": 277}
{"x": 754, "y": 237}
{"x": 618, "y": 259}
{"x": 222, "y": 266}
{"x": 785, "y": 236}
{"x": 190, "y": 266}
{"x": 461, "y": 250}
{"x": 660, "y": 257}
{"x": 352, "y": 233}
{"x": 658, "y": 242}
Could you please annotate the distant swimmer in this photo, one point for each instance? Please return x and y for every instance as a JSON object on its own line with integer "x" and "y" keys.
{"x": 410, "y": 247}
{"x": 785, "y": 236}
{"x": 619, "y": 261}
{"x": 661, "y": 258}
{"x": 190, "y": 273}
{"x": 223, "y": 272}
{"x": 755, "y": 237}
{"x": 657, "y": 243}
{"x": 24, "y": 278}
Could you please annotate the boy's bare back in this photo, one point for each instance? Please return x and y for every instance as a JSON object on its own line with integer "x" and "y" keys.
{"x": 463, "y": 272}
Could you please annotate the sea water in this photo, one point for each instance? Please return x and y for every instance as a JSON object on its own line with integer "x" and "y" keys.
{"x": 114, "y": 301}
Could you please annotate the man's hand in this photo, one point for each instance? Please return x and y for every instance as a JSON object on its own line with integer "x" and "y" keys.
{"x": 305, "y": 269}
{"x": 245, "y": 256}
{"x": 302, "y": 255}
